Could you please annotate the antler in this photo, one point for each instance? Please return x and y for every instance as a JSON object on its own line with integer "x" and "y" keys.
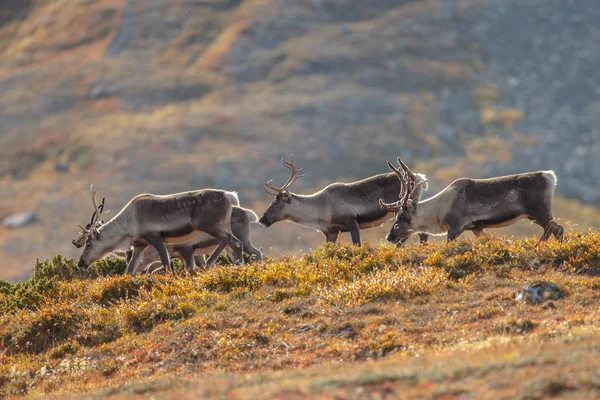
{"x": 393, "y": 207}
{"x": 98, "y": 211}
{"x": 408, "y": 186}
{"x": 100, "y": 208}
{"x": 293, "y": 176}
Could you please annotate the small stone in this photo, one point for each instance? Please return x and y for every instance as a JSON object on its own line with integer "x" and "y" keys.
{"x": 19, "y": 220}
{"x": 538, "y": 292}
{"x": 61, "y": 166}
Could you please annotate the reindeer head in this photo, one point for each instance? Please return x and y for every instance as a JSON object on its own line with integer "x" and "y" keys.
{"x": 406, "y": 207}
{"x": 282, "y": 206}
{"x": 93, "y": 248}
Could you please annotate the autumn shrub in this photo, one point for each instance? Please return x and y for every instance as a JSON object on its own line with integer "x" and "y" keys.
{"x": 515, "y": 326}
{"x": 70, "y": 347}
{"x": 386, "y": 284}
{"x": 105, "y": 291}
{"x": 65, "y": 269}
{"x": 145, "y": 315}
{"x": 26, "y": 295}
{"x": 35, "y": 332}
{"x": 577, "y": 253}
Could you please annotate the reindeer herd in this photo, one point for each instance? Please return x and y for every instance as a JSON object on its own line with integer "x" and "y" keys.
{"x": 151, "y": 229}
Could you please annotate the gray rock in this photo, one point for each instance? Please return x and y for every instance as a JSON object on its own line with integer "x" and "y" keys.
{"x": 20, "y": 220}
{"x": 104, "y": 89}
{"x": 61, "y": 166}
{"x": 538, "y": 292}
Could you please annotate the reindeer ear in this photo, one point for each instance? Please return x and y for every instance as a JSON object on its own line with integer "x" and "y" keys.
{"x": 96, "y": 233}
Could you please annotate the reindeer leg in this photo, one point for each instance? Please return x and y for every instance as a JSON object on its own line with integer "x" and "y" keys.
{"x": 557, "y": 230}
{"x": 552, "y": 228}
{"x": 225, "y": 237}
{"x": 354, "y": 231}
{"x": 187, "y": 254}
{"x": 454, "y": 233}
{"x": 200, "y": 260}
{"x": 157, "y": 242}
{"x": 477, "y": 232}
{"x": 253, "y": 251}
{"x": 237, "y": 248}
{"x": 544, "y": 219}
{"x": 133, "y": 263}
{"x": 231, "y": 253}
{"x": 154, "y": 267}
{"x": 213, "y": 257}
{"x": 331, "y": 237}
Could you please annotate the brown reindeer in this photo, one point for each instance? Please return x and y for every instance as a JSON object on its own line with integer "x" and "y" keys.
{"x": 474, "y": 204}
{"x": 192, "y": 251}
{"x": 339, "y": 207}
{"x": 154, "y": 220}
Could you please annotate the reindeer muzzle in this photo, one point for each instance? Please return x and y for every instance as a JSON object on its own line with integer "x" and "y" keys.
{"x": 264, "y": 221}
{"x": 82, "y": 264}
{"x": 390, "y": 238}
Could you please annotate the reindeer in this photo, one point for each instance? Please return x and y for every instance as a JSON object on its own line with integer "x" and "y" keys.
{"x": 150, "y": 219}
{"x": 191, "y": 251}
{"x": 339, "y": 207}
{"x": 474, "y": 204}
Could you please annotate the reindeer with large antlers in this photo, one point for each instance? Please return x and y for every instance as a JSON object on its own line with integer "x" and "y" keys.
{"x": 154, "y": 220}
{"x": 339, "y": 207}
{"x": 474, "y": 204}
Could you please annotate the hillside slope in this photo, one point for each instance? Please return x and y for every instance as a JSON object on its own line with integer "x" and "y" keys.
{"x": 369, "y": 314}
{"x": 167, "y": 95}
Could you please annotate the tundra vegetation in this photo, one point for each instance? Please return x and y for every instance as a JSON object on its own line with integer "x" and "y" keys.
{"x": 423, "y": 320}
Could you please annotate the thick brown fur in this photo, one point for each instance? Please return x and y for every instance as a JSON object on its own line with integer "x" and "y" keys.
{"x": 476, "y": 204}
{"x": 339, "y": 207}
{"x": 150, "y": 219}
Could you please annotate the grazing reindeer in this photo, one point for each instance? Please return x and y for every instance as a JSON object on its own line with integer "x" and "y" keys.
{"x": 197, "y": 246}
{"x": 150, "y": 219}
{"x": 474, "y": 204}
{"x": 192, "y": 251}
{"x": 339, "y": 207}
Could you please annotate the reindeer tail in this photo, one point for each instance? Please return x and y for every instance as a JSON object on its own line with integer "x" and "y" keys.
{"x": 252, "y": 217}
{"x": 233, "y": 197}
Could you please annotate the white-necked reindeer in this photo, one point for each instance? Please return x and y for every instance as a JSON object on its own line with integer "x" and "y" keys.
{"x": 474, "y": 204}
{"x": 153, "y": 220}
{"x": 192, "y": 251}
{"x": 339, "y": 207}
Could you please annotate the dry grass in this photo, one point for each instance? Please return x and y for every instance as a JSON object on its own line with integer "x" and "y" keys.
{"x": 65, "y": 332}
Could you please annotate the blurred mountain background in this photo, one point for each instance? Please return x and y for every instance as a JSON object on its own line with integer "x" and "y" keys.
{"x": 163, "y": 96}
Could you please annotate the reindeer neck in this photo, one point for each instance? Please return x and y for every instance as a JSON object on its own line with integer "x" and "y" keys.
{"x": 116, "y": 232}
{"x": 308, "y": 211}
{"x": 426, "y": 217}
